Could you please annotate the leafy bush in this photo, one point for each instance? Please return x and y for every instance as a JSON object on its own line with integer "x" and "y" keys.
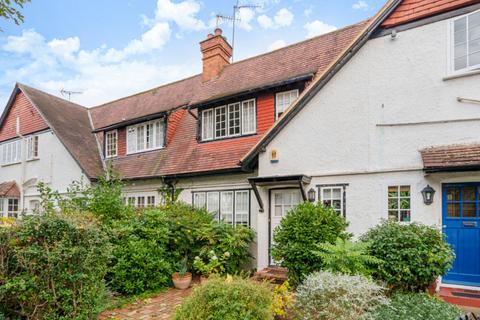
{"x": 413, "y": 255}
{"x": 347, "y": 257}
{"x": 282, "y": 300}
{"x": 330, "y": 296}
{"x": 415, "y": 306}
{"x": 298, "y": 235}
{"x": 52, "y": 267}
{"x": 141, "y": 261}
{"x": 227, "y": 299}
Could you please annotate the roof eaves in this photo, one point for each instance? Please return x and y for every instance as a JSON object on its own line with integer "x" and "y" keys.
{"x": 321, "y": 81}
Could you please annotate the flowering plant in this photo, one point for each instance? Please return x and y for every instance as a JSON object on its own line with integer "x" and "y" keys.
{"x": 210, "y": 263}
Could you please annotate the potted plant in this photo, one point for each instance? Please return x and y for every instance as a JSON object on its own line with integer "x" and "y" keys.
{"x": 182, "y": 279}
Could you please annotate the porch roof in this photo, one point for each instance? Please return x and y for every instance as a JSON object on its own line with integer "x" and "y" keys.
{"x": 463, "y": 157}
{"x": 9, "y": 189}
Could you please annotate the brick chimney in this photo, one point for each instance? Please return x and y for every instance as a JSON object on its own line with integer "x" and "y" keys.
{"x": 216, "y": 54}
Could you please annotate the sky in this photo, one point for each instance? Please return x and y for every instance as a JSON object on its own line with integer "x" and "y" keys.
{"x": 108, "y": 49}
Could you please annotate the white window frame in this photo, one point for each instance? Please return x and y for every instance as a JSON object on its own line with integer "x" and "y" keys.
{"x": 2, "y": 207}
{"x": 343, "y": 196}
{"x": 107, "y": 145}
{"x": 16, "y": 155}
{"x": 151, "y": 201}
{"x": 210, "y": 133}
{"x": 399, "y": 198}
{"x": 212, "y": 202}
{"x": 13, "y": 213}
{"x": 277, "y": 99}
{"x": 452, "y": 45}
{"x": 132, "y": 141}
{"x": 33, "y": 147}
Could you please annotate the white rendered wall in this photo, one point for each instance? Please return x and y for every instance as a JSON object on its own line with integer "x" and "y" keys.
{"x": 341, "y": 137}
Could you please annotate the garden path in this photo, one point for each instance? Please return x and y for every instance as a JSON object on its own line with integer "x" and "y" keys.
{"x": 159, "y": 307}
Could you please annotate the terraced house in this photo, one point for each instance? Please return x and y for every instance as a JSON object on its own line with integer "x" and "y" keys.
{"x": 378, "y": 120}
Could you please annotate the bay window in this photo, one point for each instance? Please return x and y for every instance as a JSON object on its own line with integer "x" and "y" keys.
{"x": 146, "y": 136}
{"x": 230, "y": 120}
{"x": 283, "y": 100}
{"x": 231, "y": 206}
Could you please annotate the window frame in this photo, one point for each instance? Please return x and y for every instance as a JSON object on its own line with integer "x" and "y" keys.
{"x": 212, "y": 112}
{"x": 32, "y": 142}
{"x": 144, "y": 126}
{"x": 277, "y": 99}
{"x": 452, "y": 45}
{"x": 107, "y": 134}
{"x": 18, "y": 152}
{"x": 218, "y": 193}
{"x": 343, "y": 192}
{"x": 13, "y": 213}
{"x": 399, "y": 198}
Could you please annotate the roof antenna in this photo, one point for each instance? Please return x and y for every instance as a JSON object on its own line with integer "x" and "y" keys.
{"x": 69, "y": 93}
{"x": 236, "y": 9}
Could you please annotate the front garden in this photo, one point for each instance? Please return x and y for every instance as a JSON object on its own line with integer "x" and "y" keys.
{"x": 87, "y": 251}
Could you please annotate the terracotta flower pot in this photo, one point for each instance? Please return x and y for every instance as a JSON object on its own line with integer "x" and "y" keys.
{"x": 182, "y": 282}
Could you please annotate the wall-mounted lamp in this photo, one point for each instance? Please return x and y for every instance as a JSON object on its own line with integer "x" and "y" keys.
{"x": 428, "y": 193}
{"x": 311, "y": 195}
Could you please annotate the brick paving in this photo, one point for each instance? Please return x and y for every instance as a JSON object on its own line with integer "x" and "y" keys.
{"x": 159, "y": 307}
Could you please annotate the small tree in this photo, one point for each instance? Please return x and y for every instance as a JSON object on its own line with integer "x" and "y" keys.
{"x": 9, "y": 11}
{"x": 298, "y": 235}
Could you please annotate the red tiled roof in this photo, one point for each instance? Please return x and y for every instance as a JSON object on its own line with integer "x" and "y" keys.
{"x": 310, "y": 56}
{"x": 9, "y": 189}
{"x": 411, "y": 10}
{"x": 184, "y": 154}
{"x": 451, "y": 157}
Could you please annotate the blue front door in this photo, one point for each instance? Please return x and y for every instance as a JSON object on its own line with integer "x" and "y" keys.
{"x": 461, "y": 220}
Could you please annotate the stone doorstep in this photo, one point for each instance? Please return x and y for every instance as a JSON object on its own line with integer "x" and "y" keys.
{"x": 467, "y": 299}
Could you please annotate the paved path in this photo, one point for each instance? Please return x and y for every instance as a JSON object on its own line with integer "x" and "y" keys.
{"x": 159, "y": 307}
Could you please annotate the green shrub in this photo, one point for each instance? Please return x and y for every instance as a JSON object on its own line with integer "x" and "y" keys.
{"x": 347, "y": 257}
{"x": 52, "y": 267}
{"x": 330, "y": 296}
{"x": 228, "y": 299}
{"x": 298, "y": 235}
{"x": 413, "y": 255}
{"x": 142, "y": 261}
{"x": 415, "y": 306}
{"x": 226, "y": 249}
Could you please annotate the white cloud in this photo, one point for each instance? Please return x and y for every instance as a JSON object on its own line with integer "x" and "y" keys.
{"x": 283, "y": 18}
{"x": 277, "y": 45}
{"x": 307, "y": 12}
{"x": 360, "y": 5}
{"x": 265, "y": 21}
{"x": 317, "y": 27}
{"x": 182, "y": 13}
{"x": 246, "y": 16}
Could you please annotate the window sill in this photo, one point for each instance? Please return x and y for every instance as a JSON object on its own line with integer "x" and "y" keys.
{"x": 10, "y": 164}
{"x": 228, "y": 138}
{"x": 142, "y": 151}
{"x": 462, "y": 75}
{"x": 33, "y": 159}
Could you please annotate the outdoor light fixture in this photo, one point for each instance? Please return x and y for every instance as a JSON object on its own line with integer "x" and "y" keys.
{"x": 311, "y": 195}
{"x": 428, "y": 193}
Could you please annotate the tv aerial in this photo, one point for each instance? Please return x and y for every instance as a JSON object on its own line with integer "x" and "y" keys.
{"x": 69, "y": 93}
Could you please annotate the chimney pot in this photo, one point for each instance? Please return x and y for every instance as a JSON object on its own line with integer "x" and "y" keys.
{"x": 216, "y": 54}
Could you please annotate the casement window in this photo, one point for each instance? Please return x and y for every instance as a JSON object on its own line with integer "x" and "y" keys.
{"x": 283, "y": 100}
{"x": 399, "y": 203}
{"x": 146, "y": 136}
{"x": 141, "y": 202}
{"x": 333, "y": 196}
{"x": 466, "y": 42}
{"x": 2, "y": 201}
{"x": 231, "y": 120}
{"x": 231, "y": 206}
{"x": 32, "y": 147}
{"x": 151, "y": 201}
{"x": 11, "y": 152}
{"x": 111, "y": 143}
{"x": 12, "y": 208}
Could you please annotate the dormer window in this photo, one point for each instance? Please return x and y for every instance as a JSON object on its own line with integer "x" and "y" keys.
{"x": 466, "y": 42}
{"x": 146, "y": 136}
{"x": 111, "y": 143}
{"x": 283, "y": 100}
{"x": 230, "y": 120}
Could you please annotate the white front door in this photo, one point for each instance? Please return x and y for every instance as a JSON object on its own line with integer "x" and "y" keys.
{"x": 281, "y": 202}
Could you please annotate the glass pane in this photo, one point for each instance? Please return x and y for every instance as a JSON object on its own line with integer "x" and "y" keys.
{"x": 278, "y": 211}
{"x": 278, "y": 198}
{"x": 453, "y": 194}
{"x": 469, "y": 210}
{"x": 460, "y": 37}
{"x": 405, "y": 203}
{"x": 327, "y": 203}
{"x": 392, "y": 204}
{"x": 327, "y": 193}
{"x": 392, "y": 192}
{"x": 460, "y": 24}
{"x": 405, "y": 216}
{"x": 337, "y": 193}
{"x": 405, "y": 191}
{"x": 460, "y": 63}
{"x": 393, "y": 215}
{"x": 473, "y": 20}
{"x": 460, "y": 50}
{"x": 453, "y": 210}
{"x": 469, "y": 194}
{"x": 337, "y": 204}
{"x": 474, "y": 59}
